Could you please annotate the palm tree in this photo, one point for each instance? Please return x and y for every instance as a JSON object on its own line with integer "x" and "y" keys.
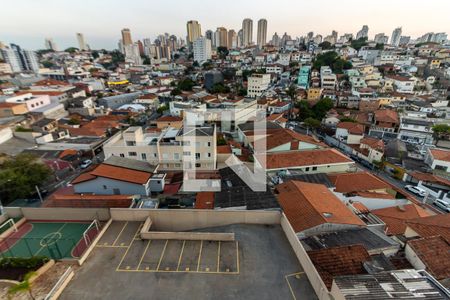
{"x": 24, "y": 286}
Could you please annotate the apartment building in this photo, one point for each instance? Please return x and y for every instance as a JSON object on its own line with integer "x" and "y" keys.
{"x": 327, "y": 78}
{"x": 258, "y": 84}
{"x": 171, "y": 148}
{"x": 32, "y": 102}
{"x": 416, "y": 131}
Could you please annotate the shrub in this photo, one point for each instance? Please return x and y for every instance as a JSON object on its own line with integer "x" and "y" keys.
{"x": 33, "y": 262}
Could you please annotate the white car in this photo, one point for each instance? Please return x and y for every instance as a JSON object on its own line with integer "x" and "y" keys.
{"x": 445, "y": 206}
{"x": 86, "y": 163}
{"x": 416, "y": 190}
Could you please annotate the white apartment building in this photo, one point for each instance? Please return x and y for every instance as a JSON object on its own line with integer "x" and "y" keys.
{"x": 327, "y": 78}
{"x": 258, "y": 84}
{"x": 171, "y": 149}
{"x": 202, "y": 49}
{"x": 402, "y": 84}
{"x": 416, "y": 131}
{"x": 33, "y": 102}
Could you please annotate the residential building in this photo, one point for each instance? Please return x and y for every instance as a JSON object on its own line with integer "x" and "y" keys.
{"x": 32, "y": 102}
{"x": 438, "y": 159}
{"x": 221, "y": 37}
{"x": 327, "y": 78}
{"x": 12, "y": 109}
{"x": 247, "y": 32}
{"x": 396, "y": 36}
{"x": 19, "y": 59}
{"x": 363, "y": 33}
{"x": 262, "y": 33}
{"x": 381, "y": 38}
{"x": 314, "y": 93}
{"x": 232, "y": 39}
{"x": 258, "y": 84}
{"x": 116, "y": 176}
{"x": 402, "y": 84}
{"x": 349, "y": 132}
{"x": 303, "y": 77}
{"x": 202, "y": 49}
{"x": 416, "y": 131}
{"x": 126, "y": 37}
{"x": 385, "y": 124}
{"x": 194, "y": 31}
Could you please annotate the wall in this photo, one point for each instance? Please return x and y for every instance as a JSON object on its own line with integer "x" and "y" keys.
{"x": 5, "y": 134}
{"x": 413, "y": 259}
{"x": 308, "y": 267}
{"x": 190, "y": 236}
{"x": 96, "y": 186}
{"x": 53, "y": 213}
{"x": 189, "y": 219}
{"x": 29, "y": 136}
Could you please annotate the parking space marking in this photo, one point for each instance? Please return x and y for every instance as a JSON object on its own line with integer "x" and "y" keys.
{"x": 218, "y": 257}
{"x": 289, "y": 284}
{"x": 181, "y": 255}
{"x": 199, "y": 256}
{"x": 117, "y": 238}
{"x": 162, "y": 255}
{"x": 237, "y": 256}
{"x": 143, "y": 254}
{"x": 125, "y": 254}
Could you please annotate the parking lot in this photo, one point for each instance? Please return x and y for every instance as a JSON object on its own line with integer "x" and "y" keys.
{"x": 260, "y": 264}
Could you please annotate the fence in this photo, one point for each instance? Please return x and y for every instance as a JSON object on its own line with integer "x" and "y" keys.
{"x": 60, "y": 285}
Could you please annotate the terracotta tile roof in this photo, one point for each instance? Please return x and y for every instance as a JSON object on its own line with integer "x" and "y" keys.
{"x": 68, "y": 152}
{"x": 283, "y": 136}
{"x": 375, "y": 195}
{"x": 308, "y": 205}
{"x": 373, "y": 143}
{"x": 87, "y": 200}
{"x": 357, "y": 182}
{"x": 434, "y": 252}
{"x": 276, "y": 117}
{"x": 46, "y": 82}
{"x": 429, "y": 178}
{"x": 169, "y": 119}
{"x": 223, "y": 149}
{"x": 431, "y": 226}
{"x": 386, "y": 116}
{"x": 8, "y": 104}
{"x": 440, "y": 154}
{"x": 116, "y": 173}
{"x": 338, "y": 261}
{"x": 305, "y": 158}
{"x": 395, "y": 217}
{"x": 353, "y": 128}
{"x": 204, "y": 200}
{"x": 35, "y": 93}
{"x": 361, "y": 207}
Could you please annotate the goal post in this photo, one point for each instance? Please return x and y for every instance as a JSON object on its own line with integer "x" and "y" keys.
{"x": 95, "y": 223}
{"x": 9, "y": 222}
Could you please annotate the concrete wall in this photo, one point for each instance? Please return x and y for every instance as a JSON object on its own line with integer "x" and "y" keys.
{"x": 308, "y": 267}
{"x": 5, "y": 134}
{"x": 413, "y": 259}
{"x": 56, "y": 213}
{"x": 106, "y": 186}
{"x": 190, "y": 219}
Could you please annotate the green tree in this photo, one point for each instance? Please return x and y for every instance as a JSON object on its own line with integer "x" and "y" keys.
{"x": 312, "y": 123}
{"x": 175, "y": 92}
{"x": 347, "y": 119}
{"x": 95, "y": 54}
{"x": 219, "y": 88}
{"x": 162, "y": 109}
{"x": 71, "y": 50}
{"x": 186, "y": 84}
{"x": 23, "y": 286}
{"x": 195, "y": 64}
{"x": 146, "y": 60}
{"x": 325, "y": 45}
{"x": 321, "y": 108}
{"x": 379, "y": 46}
{"x": 74, "y": 121}
{"x": 359, "y": 43}
{"x": 305, "y": 110}
{"x": 223, "y": 52}
{"x": 20, "y": 175}
{"x": 47, "y": 64}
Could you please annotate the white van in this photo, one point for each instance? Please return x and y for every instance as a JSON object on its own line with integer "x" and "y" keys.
{"x": 445, "y": 206}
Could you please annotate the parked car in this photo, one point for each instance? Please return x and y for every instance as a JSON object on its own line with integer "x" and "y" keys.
{"x": 445, "y": 206}
{"x": 416, "y": 190}
{"x": 86, "y": 163}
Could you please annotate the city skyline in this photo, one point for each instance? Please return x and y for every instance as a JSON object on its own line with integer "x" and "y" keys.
{"x": 100, "y": 32}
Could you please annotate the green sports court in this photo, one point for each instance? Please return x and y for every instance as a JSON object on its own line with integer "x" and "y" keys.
{"x": 53, "y": 239}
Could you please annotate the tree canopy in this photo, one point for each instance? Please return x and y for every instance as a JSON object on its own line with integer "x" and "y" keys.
{"x": 317, "y": 111}
{"x": 359, "y": 43}
{"x": 441, "y": 129}
{"x": 332, "y": 60}
{"x": 20, "y": 175}
{"x": 186, "y": 84}
{"x": 71, "y": 50}
{"x": 325, "y": 45}
{"x": 219, "y": 88}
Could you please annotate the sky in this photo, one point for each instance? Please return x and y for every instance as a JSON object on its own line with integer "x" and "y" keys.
{"x": 29, "y": 22}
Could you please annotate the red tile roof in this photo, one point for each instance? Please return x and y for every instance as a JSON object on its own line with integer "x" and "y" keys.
{"x": 223, "y": 149}
{"x": 283, "y": 136}
{"x": 338, "y": 261}
{"x": 87, "y": 200}
{"x": 304, "y": 158}
{"x": 395, "y": 217}
{"x": 357, "y": 182}
{"x": 434, "y": 252}
{"x": 308, "y": 205}
{"x": 116, "y": 173}
{"x": 431, "y": 226}
{"x": 169, "y": 119}
{"x": 427, "y": 177}
{"x": 46, "y": 82}
{"x": 386, "y": 116}
{"x": 353, "y": 128}
{"x": 204, "y": 200}
{"x": 373, "y": 143}
{"x": 440, "y": 154}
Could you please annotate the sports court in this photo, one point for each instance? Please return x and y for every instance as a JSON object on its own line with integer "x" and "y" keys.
{"x": 54, "y": 239}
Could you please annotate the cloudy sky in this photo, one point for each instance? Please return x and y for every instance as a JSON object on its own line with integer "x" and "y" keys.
{"x": 29, "y": 22}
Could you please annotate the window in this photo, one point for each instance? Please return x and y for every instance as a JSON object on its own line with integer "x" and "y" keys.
{"x": 132, "y": 154}
{"x": 176, "y": 156}
{"x": 197, "y": 155}
{"x": 209, "y": 154}
{"x": 105, "y": 187}
{"x": 198, "y": 165}
{"x": 208, "y": 144}
{"x": 314, "y": 168}
{"x": 131, "y": 143}
{"x": 154, "y": 155}
{"x": 165, "y": 156}
{"x": 144, "y": 156}
{"x": 186, "y": 153}
{"x": 116, "y": 191}
{"x": 177, "y": 165}
{"x": 122, "y": 155}
{"x": 307, "y": 169}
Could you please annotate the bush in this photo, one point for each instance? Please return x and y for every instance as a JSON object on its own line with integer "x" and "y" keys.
{"x": 33, "y": 262}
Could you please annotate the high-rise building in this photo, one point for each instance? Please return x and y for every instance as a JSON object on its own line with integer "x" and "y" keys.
{"x": 81, "y": 42}
{"x": 232, "y": 39}
{"x": 440, "y": 37}
{"x": 363, "y": 33}
{"x": 404, "y": 40}
{"x": 221, "y": 37}
{"x": 202, "y": 49}
{"x": 132, "y": 54}
{"x": 396, "y": 35}
{"x": 240, "y": 38}
{"x": 261, "y": 39}
{"x": 50, "y": 44}
{"x": 247, "y": 32}
{"x": 126, "y": 37}
{"x": 381, "y": 38}
{"x": 194, "y": 31}
{"x": 275, "y": 40}
{"x": 209, "y": 34}
{"x": 309, "y": 36}
{"x": 19, "y": 59}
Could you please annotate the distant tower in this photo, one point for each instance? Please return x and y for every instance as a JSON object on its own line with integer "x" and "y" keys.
{"x": 396, "y": 35}
{"x": 50, "y": 44}
{"x": 247, "y": 32}
{"x": 363, "y": 33}
{"x": 221, "y": 37}
{"x": 126, "y": 37}
{"x": 262, "y": 32}
{"x": 232, "y": 39}
{"x": 194, "y": 31}
{"x": 81, "y": 42}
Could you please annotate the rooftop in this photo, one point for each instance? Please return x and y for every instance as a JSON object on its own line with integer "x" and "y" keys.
{"x": 431, "y": 226}
{"x": 396, "y": 216}
{"x": 356, "y": 182}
